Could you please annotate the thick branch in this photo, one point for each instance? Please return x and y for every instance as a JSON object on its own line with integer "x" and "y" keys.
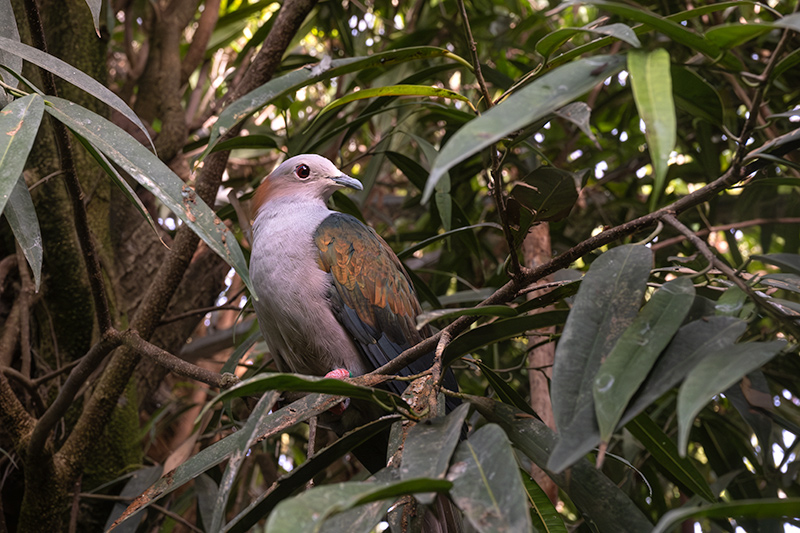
{"x": 71, "y": 180}
{"x": 197, "y": 48}
{"x": 17, "y": 423}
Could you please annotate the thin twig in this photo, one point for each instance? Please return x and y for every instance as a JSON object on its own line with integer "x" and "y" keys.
{"x": 703, "y": 248}
{"x": 725, "y": 227}
{"x": 496, "y": 173}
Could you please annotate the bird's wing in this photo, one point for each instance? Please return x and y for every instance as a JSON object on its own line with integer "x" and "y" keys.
{"x": 372, "y": 295}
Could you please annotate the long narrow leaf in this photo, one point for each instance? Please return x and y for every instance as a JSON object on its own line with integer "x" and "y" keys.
{"x": 157, "y": 177}
{"x": 762, "y": 508}
{"x": 21, "y": 216}
{"x": 246, "y": 105}
{"x": 651, "y": 82}
{"x": 19, "y": 122}
{"x": 261, "y": 421}
{"x": 552, "y": 91}
{"x": 75, "y": 77}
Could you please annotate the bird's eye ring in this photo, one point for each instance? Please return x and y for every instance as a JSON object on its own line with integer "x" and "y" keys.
{"x": 302, "y": 171}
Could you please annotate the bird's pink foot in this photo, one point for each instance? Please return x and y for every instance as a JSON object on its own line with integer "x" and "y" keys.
{"x": 339, "y": 373}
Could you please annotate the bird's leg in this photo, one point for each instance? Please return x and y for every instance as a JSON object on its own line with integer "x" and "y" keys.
{"x": 339, "y": 373}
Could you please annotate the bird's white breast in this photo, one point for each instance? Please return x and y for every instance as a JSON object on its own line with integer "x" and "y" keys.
{"x": 293, "y": 309}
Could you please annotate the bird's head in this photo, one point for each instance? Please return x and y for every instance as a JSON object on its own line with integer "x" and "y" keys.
{"x": 303, "y": 176}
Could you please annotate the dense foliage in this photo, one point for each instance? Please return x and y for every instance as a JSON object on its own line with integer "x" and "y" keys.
{"x": 598, "y": 204}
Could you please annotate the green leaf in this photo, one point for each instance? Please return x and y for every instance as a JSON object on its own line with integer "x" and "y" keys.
{"x": 21, "y": 216}
{"x": 713, "y": 375}
{"x": 393, "y": 90}
{"x": 790, "y": 22}
{"x": 94, "y": 7}
{"x": 307, "y": 511}
{"x": 295, "y": 382}
{"x": 247, "y": 141}
{"x": 245, "y": 106}
{"x": 760, "y": 508}
{"x": 499, "y": 331}
{"x": 651, "y": 82}
{"x": 606, "y": 304}
{"x": 695, "y": 95}
{"x": 486, "y": 483}
{"x": 138, "y": 482}
{"x": 603, "y": 505}
{"x": 549, "y": 193}
{"x": 251, "y": 434}
{"x": 8, "y": 28}
{"x": 690, "y": 345}
{"x": 427, "y": 242}
{"x": 429, "y": 446}
{"x": 728, "y": 36}
{"x": 155, "y": 176}
{"x": 787, "y": 262}
{"x": 636, "y": 351}
{"x": 261, "y": 420}
{"x": 545, "y": 517}
{"x": 553, "y": 41}
{"x": 19, "y": 122}
{"x": 660, "y": 446}
{"x": 120, "y": 182}
{"x": 75, "y": 77}
{"x": 552, "y": 91}
{"x": 446, "y": 314}
{"x": 504, "y": 391}
{"x": 289, "y": 483}
{"x": 579, "y": 114}
{"x": 670, "y": 27}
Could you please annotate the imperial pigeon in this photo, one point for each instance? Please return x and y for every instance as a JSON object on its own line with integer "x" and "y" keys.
{"x": 333, "y": 298}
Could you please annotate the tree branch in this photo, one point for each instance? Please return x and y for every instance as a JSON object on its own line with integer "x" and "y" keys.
{"x": 116, "y": 375}
{"x": 725, "y": 227}
{"x": 177, "y": 365}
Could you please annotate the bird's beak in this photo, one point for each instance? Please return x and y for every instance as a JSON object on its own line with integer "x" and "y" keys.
{"x": 347, "y": 181}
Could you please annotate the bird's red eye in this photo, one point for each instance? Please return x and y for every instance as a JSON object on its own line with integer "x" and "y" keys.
{"x": 302, "y": 171}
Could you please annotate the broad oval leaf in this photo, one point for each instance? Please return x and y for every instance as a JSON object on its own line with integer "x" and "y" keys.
{"x": 75, "y": 77}
{"x": 19, "y": 122}
{"x": 429, "y": 446}
{"x": 606, "y": 304}
{"x": 651, "y": 82}
{"x": 154, "y": 175}
{"x": 552, "y": 91}
{"x": 713, "y": 375}
{"x": 487, "y": 486}
{"x": 597, "y": 497}
{"x": 692, "y": 342}
{"x": 636, "y": 351}
{"x": 549, "y": 193}
{"x": 21, "y": 216}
